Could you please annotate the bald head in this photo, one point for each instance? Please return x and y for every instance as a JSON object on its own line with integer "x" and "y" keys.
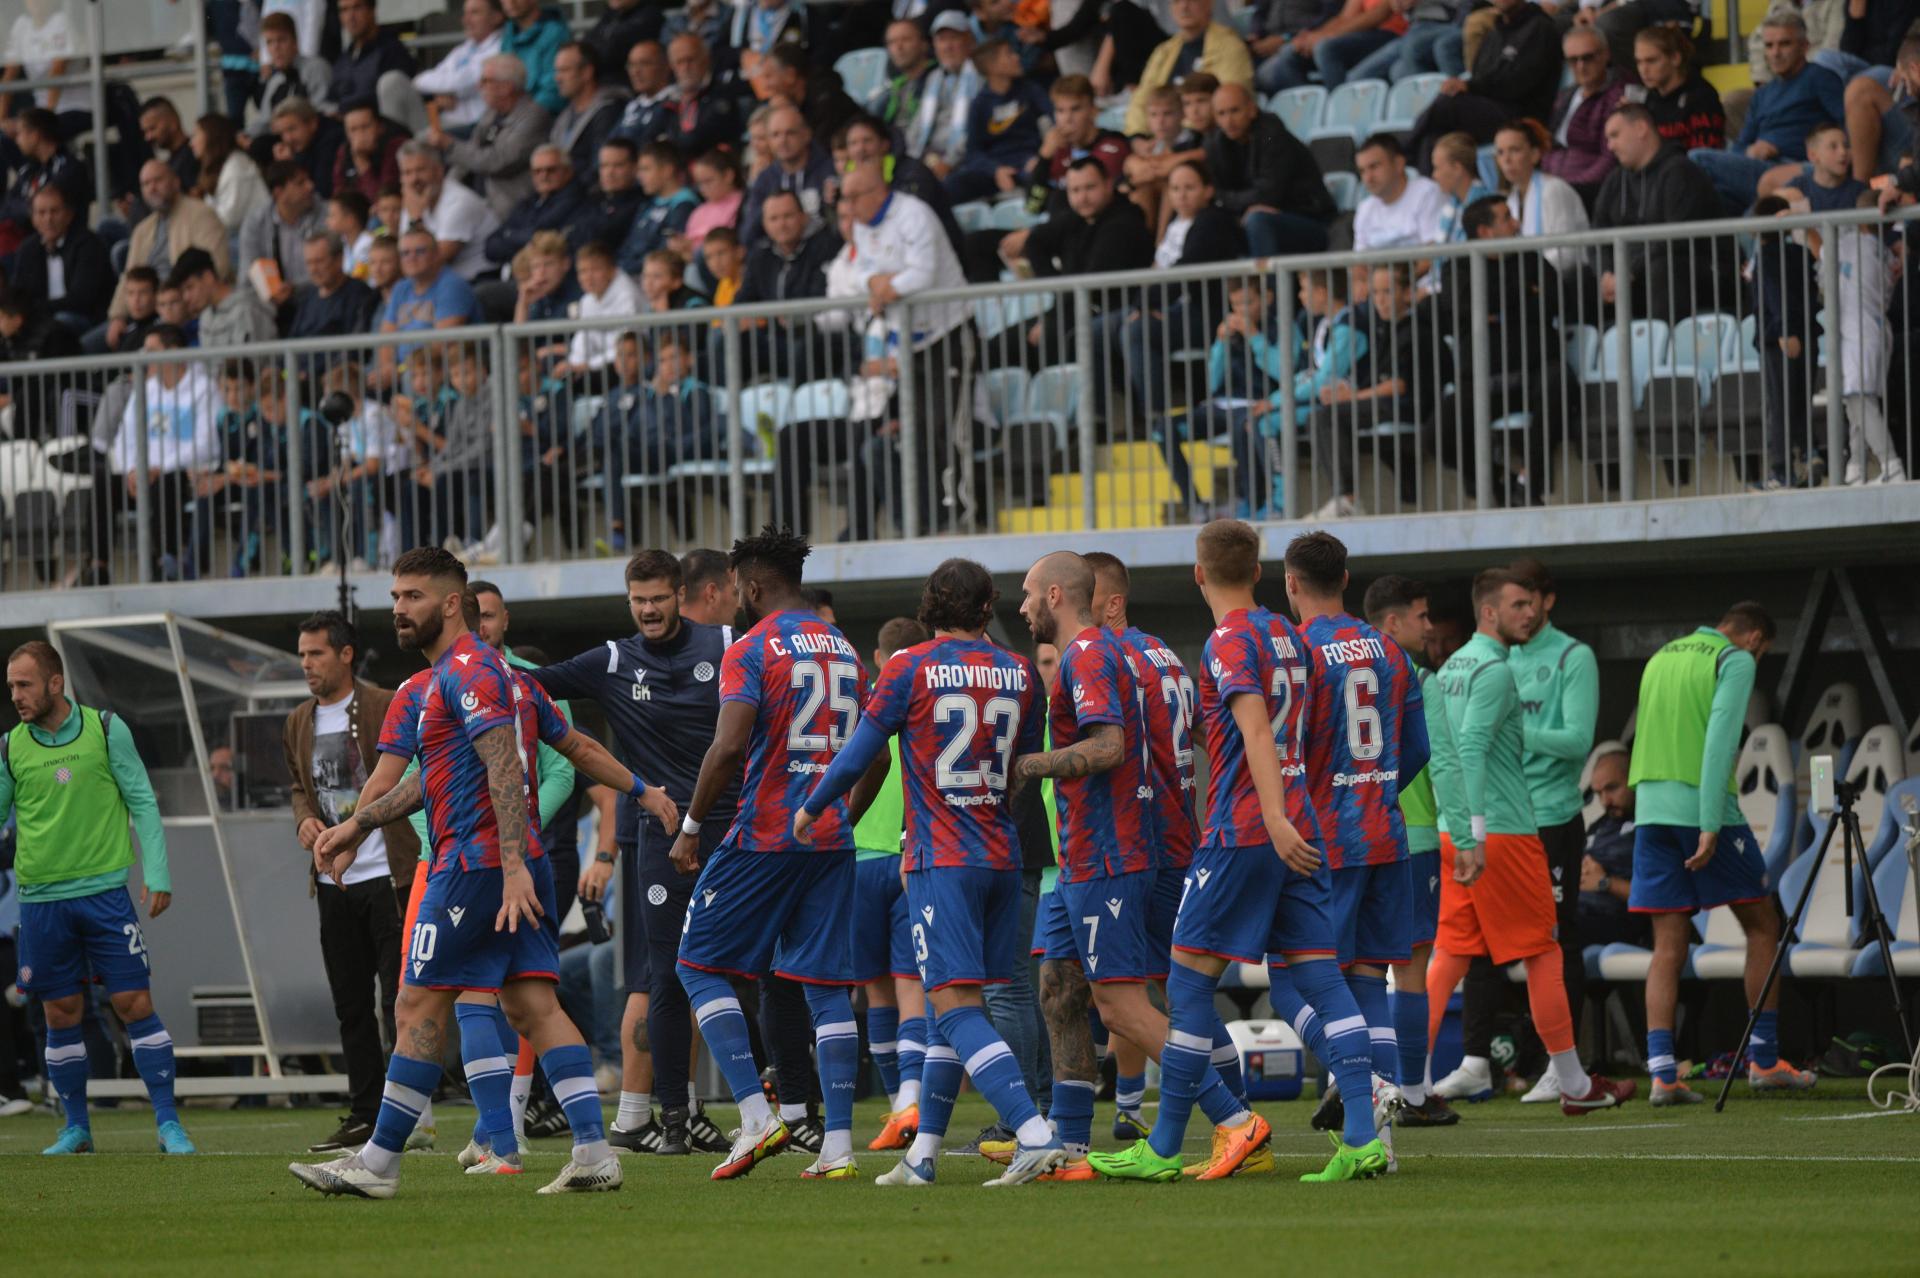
{"x": 1234, "y": 111}
{"x": 1058, "y": 599}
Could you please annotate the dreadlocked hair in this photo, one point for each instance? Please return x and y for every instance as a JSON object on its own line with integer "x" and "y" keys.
{"x": 780, "y": 552}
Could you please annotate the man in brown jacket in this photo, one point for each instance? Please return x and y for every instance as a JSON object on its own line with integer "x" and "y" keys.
{"x": 331, "y": 743}
{"x": 183, "y": 221}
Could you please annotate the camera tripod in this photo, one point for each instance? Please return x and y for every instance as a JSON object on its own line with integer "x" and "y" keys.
{"x": 1847, "y": 822}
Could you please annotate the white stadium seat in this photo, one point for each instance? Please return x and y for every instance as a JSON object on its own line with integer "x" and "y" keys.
{"x": 1830, "y": 729}
{"x": 1767, "y": 801}
{"x": 1878, "y": 764}
{"x": 1826, "y": 946}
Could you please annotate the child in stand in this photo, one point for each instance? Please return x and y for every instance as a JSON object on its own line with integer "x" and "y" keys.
{"x": 387, "y": 210}
{"x": 1170, "y": 140}
{"x": 448, "y": 416}
{"x": 1866, "y": 271}
{"x": 347, "y": 216}
{"x": 245, "y": 492}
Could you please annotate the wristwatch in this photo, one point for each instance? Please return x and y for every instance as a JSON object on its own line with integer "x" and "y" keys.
{"x": 603, "y": 858}
{"x": 1606, "y": 883}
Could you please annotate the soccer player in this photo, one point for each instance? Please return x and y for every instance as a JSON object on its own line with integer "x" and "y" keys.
{"x": 1397, "y": 608}
{"x": 883, "y": 958}
{"x": 790, "y": 692}
{"x": 473, "y": 739}
{"x": 1257, "y": 883}
{"x": 1110, "y": 882}
{"x": 1495, "y": 897}
{"x": 659, "y": 689}
{"x": 1559, "y": 684}
{"x": 1692, "y": 850}
{"x": 968, "y": 709}
{"x": 1366, "y": 728}
{"x": 72, "y": 777}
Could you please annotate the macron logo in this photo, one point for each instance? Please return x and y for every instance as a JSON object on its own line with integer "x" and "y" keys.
{"x": 1202, "y": 875}
{"x": 1113, "y": 906}
{"x": 1084, "y": 644}
{"x": 709, "y": 894}
{"x": 456, "y": 913}
{"x": 463, "y": 657}
{"x": 416, "y": 969}
{"x": 926, "y": 912}
{"x": 1093, "y": 962}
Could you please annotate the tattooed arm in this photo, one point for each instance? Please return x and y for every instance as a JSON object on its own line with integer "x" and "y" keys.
{"x": 499, "y": 748}
{"x": 403, "y": 800}
{"x": 334, "y": 850}
{"x": 1099, "y": 751}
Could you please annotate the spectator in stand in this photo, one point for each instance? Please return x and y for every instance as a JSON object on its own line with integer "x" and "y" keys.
{"x": 229, "y": 179}
{"x": 534, "y": 35}
{"x": 1076, "y": 134}
{"x": 936, "y": 135}
{"x": 606, "y": 292}
{"x": 180, "y": 414}
{"x": 1333, "y": 46}
{"x": 160, "y": 128}
{"x": 1243, "y": 381}
{"x": 663, "y": 283}
{"x": 1004, "y": 125}
{"x": 553, "y": 206}
{"x": 1270, "y": 27}
{"x": 499, "y": 152}
{"x": 759, "y": 28}
{"x": 428, "y": 296}
{"x": 608, "y": 211}
{"x": 383, "y": 268}
{"x": 1153, "y": 155}
{"x": 1579, "y": 120}
{"x": 1198, "y": 44}
{"x": 1097, "y": 231}
{"x": 624, "y": 24}
{"x": 347, "y": 216}
{"x": 170, "y": 308}
{"x": 43, "y": 162}
{"x": 456, "y": 217}
{"x": 331, "y": 303}
{"x": 716, "y": 177}
{"x": 448, "y": 415}
{"x": 800, "y": 165}
{"x": 251, "y": 446}
{"x": 1685, "y": 107}
{"x": 1784, "y": 109}
{"x": 140, "y": 287}
{"x": 705, "y": 113}
{"x": 177, "y": 223}
{"x": 673, "y": 420}
{"x": 364, "y": 471}
{"x": 1399, "y": 208}
{"x": 1267, "y": 178}
{"x": 1431, "y": 43}
{"x": 1880, "y": 124}
{"x": 909, "y": 61}
{"x": 451, "y": 86}
{"x": 866, "y": 139}
{"x": 28, "y": 332}
{"x": 1541, "y": 203}
{"x": 664, "y": 213}
{"x": 228, "y": 316}
{"x": 39, "y": 47}
{"x": 816, "y": 90}
{"x": 544, "y": 272}
{"x": 592, "y": 108}
{"x": 1825, "y": 182}
{"x": 284, "y": 74}
{"x": 277, "y": 234}
{"x": 309, "y": 19}
{"x": 649, "y": 111}
{"x": 370, "y": 158}
{"x": 725, "y": 262}
{"x": 308, "y": 139}
{"x": 1657, "y": 184}
{"x": 788, "y": 261}
{"x": 1516, "y": 72}
{"x": 75, "y": 296}
{"x": 1782, "y": 272}
{"x": 1456, "y": 171}
{"x": 373, "y": 65}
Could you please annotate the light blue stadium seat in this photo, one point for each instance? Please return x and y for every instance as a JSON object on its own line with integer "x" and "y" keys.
{"x": 824, "y": 399}
{"x": 1012, "y": 215}
{"x": 1300, "y": 109}
{"x": 862, "y": 71}
{"x": 1763, "y": 787}
{"x": 1408, "y": 98}
{"x": 1053, "y": 397}
{"x": 994, "y": 315}
{"x": 1353, "y": 110}
{"x": 974, "y": 215}
{"x": 1487, "y": 167}
{"x": 1114, "y": 118}
{"x": 1345, "y": 190}
{"x": 1619, "y": 961}
{"x": 1877, "y": 764}
{"x": 1898, "y": 901}
{"x": 1702, "y": 347}
{"x": 1648, "y": 342}
{"x": 772, "y": 400}
{"x": 1583, "y": 352}
{"x": 1005, "y": 390}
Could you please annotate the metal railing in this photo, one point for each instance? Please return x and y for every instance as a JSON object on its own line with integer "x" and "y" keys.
{"x": 1504, "y": 372}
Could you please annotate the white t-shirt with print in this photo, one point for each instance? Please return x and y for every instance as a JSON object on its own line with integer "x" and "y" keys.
{"x": 338, "y": 775}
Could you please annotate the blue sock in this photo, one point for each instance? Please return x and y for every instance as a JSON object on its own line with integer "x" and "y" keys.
{"x": 939, "y": 1083}
{"x": 1072, "y": 1114}
{"x": 67, "y": 1072}
{"x": 1370, "y": 995}
{"x": 1185, "y": 1066}
{"x": 1410, "y": 1030}
{"x": 1349, "y": 1049}
{"x": 724, "y": 1027}
{"x": 153, "y": 1057}
{"x": 990, "y": 1063}
{"x": 1226, "y": 1060}
{"x": 410, "y": 1085}
{"x": 1764, "y": 1046}
{"x": 1290, "y": 1007}
{"x": 489, "y": 1076}
{"x": 1129, "y": 1092}
{"x": 913, "y": 1051}
{"x": 570, "y": 1073}
{"x": 883, "y": 1040}
{"x": 836, "y": 1053}
{"x": 1660, "y": 1055}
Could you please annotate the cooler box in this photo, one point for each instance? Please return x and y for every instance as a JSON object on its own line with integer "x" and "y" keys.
{"x": 1272, "y": 1059}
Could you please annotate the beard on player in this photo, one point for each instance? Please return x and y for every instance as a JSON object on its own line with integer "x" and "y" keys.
{"x": 414, "y": 634}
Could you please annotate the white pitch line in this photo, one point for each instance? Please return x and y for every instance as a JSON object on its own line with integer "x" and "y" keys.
{"x": 1564, "y": 1128}
{"x": 1677, "y": 1158}
{"x": 1847, "y": 1118}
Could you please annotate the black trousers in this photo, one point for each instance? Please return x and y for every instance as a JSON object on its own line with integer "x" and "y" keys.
{"x": 360, "y": 945}
{"x": 1566, "y": 844}
{"x": 661, "y": 898}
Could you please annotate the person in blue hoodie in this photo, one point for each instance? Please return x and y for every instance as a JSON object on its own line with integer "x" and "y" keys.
{"x": 534, "y": 34}
{"x": 664, "y": 212}
{"x": 1005, "y": 123}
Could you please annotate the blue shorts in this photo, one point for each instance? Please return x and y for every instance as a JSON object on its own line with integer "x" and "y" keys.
{"x": 1052, "y": 938}
{"x": 1424, "y": 868}
{"x": 1243, "y": 903}
{"x": 1373, "y": 913}
{"x": 454, "y": 945}
{"x": 780, "y": 912}
{"x": 1662, "y": 883}
{"x": 966, "y": 924}
{"x": 64, "y": 944}
{"x": 1111, "y": 918}
{"x": 882, "y": 939}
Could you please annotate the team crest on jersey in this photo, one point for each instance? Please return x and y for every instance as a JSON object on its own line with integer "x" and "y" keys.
{"x": 657, "y": 894}
{"x": 456, "y": 913}
{"x": 1113, "y": 906}
{"x": 1541, "y": 674}
{"x": 703, "y": 673}
{"x": 1217, "y": 668}
{"x": 63, "y": 775}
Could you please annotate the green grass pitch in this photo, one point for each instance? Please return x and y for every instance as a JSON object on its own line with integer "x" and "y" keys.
{"x": 1773, "y": 1186}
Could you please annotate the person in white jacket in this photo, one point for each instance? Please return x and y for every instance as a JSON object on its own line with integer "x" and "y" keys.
{"x": 1866, "y": 271}
{"x": 605, "y": 290}
{"x": 1540, "y": 202}
{"x": 453, "y": 83}
{"x": 174, "y": 421}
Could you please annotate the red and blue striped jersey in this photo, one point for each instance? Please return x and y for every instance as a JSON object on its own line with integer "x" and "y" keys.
{"x": 400, "y": 730}
{"x": 1361, "y": 688}
{"x": 1109, "y": 824}
{"x": 963, "y": 709}
{"x": 470, "y": 692}
{"x": 1258, "y": 651}
{"x": 1170, "y": 697}
{"x": 806, "y": 683}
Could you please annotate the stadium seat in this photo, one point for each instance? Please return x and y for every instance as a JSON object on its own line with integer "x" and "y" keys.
{"x": 1004, "y": 394}
{"x": 1591, "y": 809}
{"x": 1722, "y": 952}
{"x": 1114, "y": 118}
{"x": 974, "y": 215}
{"x": 994, "y": 315}
{"x": 1487, "y": 167}
{"x": 1833, "y": 726}
{"x": 826, "y": 400}
{"x": 1700, "y": 348}
{"x": 772, "y": 400}
{"x": 1826, "y": 945}
{"x": 1353, "y": 111}
{"x": 1012, "y": 215}
{"x": 1300, "y": 109}
{"x": 1913, "y": 750}
{"x": 1053, "y": 397}
{"x": 1766, "y": 799}
{"x": 1902, "y": 909}
{"x": 1648, "y": 343}
{"x": 862, "y": 72}
{"x": 1345, "y": 190}
{"x": 1408, "y": 98}
{"x": 1878, "y": 764}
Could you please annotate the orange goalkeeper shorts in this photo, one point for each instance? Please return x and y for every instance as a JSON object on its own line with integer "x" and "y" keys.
{"x": 1508, "y": 912}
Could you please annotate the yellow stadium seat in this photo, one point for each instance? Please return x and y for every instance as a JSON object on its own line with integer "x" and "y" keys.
{"x": 1727, "y": 78}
